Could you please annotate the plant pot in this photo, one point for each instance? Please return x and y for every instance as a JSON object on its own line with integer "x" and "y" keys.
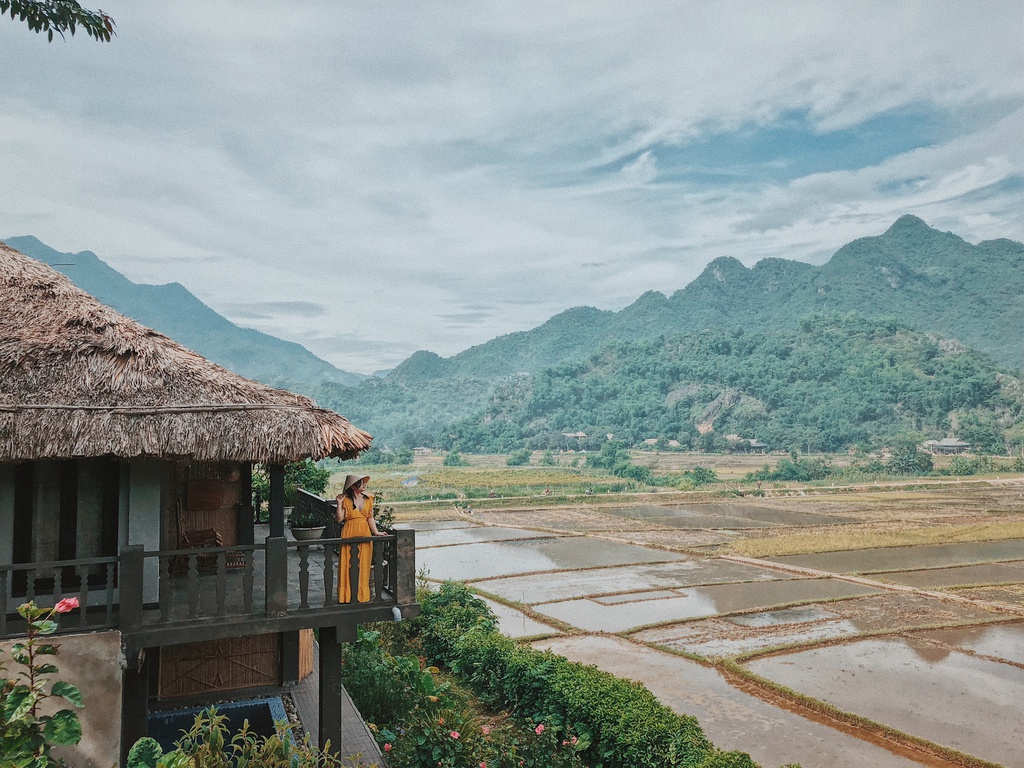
{"x": 307, "y": 534}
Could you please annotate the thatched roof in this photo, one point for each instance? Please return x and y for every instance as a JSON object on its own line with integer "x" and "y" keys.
{"x": 78, "y": 379}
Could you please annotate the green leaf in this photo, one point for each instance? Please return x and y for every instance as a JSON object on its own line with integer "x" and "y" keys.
{"x": 18, "y": 702}
{"x": 45, "y": 626}
{"x": 45, "y": 669}
{"x": 46, "y": 650}
{"x": 68, "y": 692}
{"x": 63, "y": 728}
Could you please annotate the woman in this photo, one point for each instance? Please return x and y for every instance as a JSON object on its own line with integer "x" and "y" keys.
{"x": 355, "y": 510}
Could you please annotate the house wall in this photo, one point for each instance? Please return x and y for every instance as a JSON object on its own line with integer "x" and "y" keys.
{"x": 93, "y": 663}
{"x": 6, "y": 512}
{"x": 144, "y": 518}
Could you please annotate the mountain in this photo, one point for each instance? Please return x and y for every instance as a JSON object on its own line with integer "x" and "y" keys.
{"x": 830, "y": 383}
{"x": 174, "y": 311}
{"x": 930, "y": 280}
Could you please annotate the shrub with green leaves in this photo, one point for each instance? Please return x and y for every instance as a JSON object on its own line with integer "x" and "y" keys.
{"x": 26, "y": 735}
{"x": 616, "y": 722}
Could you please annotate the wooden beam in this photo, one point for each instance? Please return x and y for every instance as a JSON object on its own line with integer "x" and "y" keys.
{"x": 330, "y": 689}
{"x": 276, "y": 474}
{"x": 134, "y": 706}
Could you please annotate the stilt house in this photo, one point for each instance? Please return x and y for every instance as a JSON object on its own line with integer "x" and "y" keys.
{"x": 125, "y": 480}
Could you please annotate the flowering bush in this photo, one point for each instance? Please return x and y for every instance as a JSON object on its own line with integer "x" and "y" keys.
{"x": 26, "y": 736}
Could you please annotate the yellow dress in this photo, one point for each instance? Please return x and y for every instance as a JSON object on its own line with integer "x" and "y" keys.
{"x": 355, "y": 527}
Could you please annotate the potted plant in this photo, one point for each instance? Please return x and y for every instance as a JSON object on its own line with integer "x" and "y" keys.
{"x": 307, "y": 524}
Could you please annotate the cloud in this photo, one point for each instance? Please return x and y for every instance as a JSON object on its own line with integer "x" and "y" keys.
{"x": 437, "y": 175}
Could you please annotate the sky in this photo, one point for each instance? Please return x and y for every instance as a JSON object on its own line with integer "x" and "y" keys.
{"x": 371, "y": 179}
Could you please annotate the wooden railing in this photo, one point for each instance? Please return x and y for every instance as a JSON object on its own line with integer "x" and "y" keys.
{"x": 184, "y": 594}
{"x": 92, "y": 580}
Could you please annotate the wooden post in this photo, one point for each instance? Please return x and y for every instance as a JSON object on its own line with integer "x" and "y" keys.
{"x": 277, "y": 576}
{"x": 246, "y": 513}
{"x": 405, "y": 551}
{"x": 276, "y": 473}
{"x": 330, "y": 684}
{"x": 130, "y": 578}
{"x": 290, "y": 657}
{"x": 134, "y": 702}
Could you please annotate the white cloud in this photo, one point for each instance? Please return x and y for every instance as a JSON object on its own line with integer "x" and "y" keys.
{"x": 436, "y": 175}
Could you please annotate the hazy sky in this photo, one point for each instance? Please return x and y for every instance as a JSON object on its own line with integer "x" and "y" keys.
{"x": 373, "y": 178}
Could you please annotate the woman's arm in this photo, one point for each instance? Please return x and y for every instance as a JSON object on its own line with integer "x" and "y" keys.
{"x": 339, "y": 513}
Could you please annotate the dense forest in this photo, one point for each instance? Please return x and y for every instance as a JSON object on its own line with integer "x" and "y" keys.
{"x": 831, "y": 384}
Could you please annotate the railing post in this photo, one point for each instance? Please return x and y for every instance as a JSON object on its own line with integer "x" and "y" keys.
{"x": 130, "y": 580}
{"x": 405, "y": 553}
{"x": 275, "y": 473}
{"x": 277, "y": 576}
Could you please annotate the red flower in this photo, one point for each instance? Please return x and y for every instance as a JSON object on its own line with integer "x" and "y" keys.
{"x": 387, "y": 747}
{"x": 454, "y": 734}
{"x": 67, "y": 605}
{"x": 539, "y": 729}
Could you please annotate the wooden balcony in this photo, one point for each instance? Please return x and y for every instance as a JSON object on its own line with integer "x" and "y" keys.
{"x": 169, "y": 597}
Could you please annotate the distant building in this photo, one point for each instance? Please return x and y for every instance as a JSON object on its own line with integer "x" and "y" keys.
{"x": 421, "y": 451}
{"x": 651, "y": 441}
{"x": 947, "y": 446}
{"x": 746, "y": 443}
{"x": 580, "y": 435}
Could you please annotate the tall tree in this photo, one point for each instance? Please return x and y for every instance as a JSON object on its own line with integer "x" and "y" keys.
{"x": 59, "y": 16}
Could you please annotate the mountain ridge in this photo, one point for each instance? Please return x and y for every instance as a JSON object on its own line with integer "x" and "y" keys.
{"x": 176, "y": 312}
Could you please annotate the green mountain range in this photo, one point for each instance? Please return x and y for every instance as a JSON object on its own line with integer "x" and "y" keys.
{"x": 175, "y": 312}
{"x": 912, "y": 275}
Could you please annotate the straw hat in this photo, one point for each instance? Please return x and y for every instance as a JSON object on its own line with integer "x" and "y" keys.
{"x": 351, "y": 480}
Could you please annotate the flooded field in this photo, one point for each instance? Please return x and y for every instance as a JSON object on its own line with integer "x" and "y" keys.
{"x": 931, "y": 644}
{"x": 952, "y": 698}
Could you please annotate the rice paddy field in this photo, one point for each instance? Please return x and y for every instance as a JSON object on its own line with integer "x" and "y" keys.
{"x": 878, "y": 623}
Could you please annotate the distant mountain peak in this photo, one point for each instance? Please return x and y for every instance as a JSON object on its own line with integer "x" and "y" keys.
{"x": 909, "y": 222}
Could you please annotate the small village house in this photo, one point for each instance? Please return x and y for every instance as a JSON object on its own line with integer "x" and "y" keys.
{"x": 125, "y": 480}
{"x": 947, "y": 446}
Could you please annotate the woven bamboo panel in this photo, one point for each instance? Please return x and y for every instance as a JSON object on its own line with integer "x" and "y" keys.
{"x": 220, "y": 665}
{"x": 305, "y": 652}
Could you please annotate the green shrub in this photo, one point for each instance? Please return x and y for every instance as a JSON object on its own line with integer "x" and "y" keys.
{"x": 617, "y": 722}
{"x": 384, "y": 687}
{"x": 519, "y": 458}
{"x": 26, "y": 736}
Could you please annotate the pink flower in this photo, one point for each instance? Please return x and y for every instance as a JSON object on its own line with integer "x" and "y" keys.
{"x": 483, "y": 765}
{"x": 487, "y": 731}
{"x": 387, "y": 747}
{"x": 454, "y": 734}
{"x": 440, "y": 721}
{"x": 539, "y": 729}
{"x": 67, "y": 605}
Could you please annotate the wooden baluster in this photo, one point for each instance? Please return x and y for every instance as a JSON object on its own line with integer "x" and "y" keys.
{"x": 247, "y": 582}
{"x": 83, "y": 595}
{"x": 330, "y": 594}
{"x": 303, "y": 577}
{"x": 222, "y": 582}
{"x": 353, "y": 573}
{"x": 193, "y": 586}
{"x": 111, "y": 573}
{"x": 378, "y": 569}
{"x": 166, "y": 587}
{"x": 3, "y": 602}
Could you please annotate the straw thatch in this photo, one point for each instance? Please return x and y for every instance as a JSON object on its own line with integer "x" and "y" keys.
{"x": 78, "y": 379}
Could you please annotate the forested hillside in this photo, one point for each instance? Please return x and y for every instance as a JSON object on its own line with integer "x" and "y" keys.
{"x": 829, "y": 384}
{"x": 930, "y": 280}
